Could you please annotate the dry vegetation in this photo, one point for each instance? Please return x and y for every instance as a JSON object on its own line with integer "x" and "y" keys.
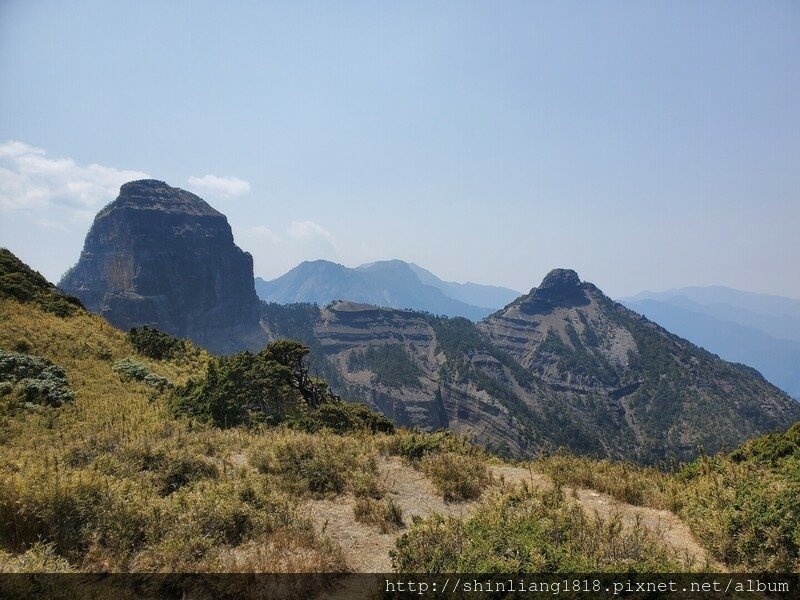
{"x": 743, "y": 507}
{"x": 114, "y": 482}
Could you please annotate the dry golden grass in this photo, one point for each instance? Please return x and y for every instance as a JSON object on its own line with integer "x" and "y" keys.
{"x": 114, "y": 483}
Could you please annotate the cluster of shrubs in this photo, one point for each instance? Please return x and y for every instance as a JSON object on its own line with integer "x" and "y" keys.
{"x": 341, "y": 417}
{"x": 20, "y": 282}
{"x": 270, "y": 387}
{"x": 529, "y": 531}
{"x": 320, "y": 465}
{"x": 744, "y": 507}
{"x": 155, "y": 344}
{"x": 383, "y": 513}
{"x": 130, "y": 370}
{"x": 456, "y": 469}
{"x": 33, "y": 380}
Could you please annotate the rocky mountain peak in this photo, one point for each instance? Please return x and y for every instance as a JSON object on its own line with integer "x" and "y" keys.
{"x": 560, "y": 278}
{"x": 152, "y": 194}
{"x": 163, "y": 257}
{"x": 560, "y": 288}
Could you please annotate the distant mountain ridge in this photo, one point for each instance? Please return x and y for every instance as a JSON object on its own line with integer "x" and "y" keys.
{"x": 764, "y": 304}
{"x": 392, "y": 283}
{"x": 756, "y": 329}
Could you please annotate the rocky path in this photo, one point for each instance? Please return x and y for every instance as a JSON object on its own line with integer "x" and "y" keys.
{"x": 367, "y": 550}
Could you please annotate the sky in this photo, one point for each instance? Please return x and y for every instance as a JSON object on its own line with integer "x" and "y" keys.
{"x": 647, "y": 145}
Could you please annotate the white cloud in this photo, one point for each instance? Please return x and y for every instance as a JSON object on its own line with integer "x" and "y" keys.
{"x": 261, "y": 232}
{"x": 219, "y": 186}
{"x": 310, "y": 231}
{"x": 31, "y": 181}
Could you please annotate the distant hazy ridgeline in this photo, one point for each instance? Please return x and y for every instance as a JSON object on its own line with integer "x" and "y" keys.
{"x": 759, "y": 330}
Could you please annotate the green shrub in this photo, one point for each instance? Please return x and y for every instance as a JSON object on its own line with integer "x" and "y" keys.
{"x": 365, "y": 484}
{"x": 270, "y": 387}
{"x": 71, "y": 514}
{"x": 129, "y": 370}
{"x": 155, "y": 344}
{"x": 413, "y": 446}
{"x": 240, "y": 389}
{"x": 529, "y": 532}
{"x": 342, "y": 417}
{"x": 38, "y": 558}
{"x": 35, "y": 380}
{"x": 322, "y": 464}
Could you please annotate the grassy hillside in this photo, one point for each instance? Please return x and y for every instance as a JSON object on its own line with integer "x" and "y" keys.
{"x": 743, "y": 506}
{"x": 114, "y": 481}
{"x": 113, "y": 460}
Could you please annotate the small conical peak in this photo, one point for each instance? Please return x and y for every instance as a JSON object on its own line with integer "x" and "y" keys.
{"x": 564, "y": 278}
{"x": 152, "y": 194}
{"x": 561, "y": 288}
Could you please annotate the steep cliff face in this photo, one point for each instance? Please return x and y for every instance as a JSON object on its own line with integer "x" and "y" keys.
{"x": 161, "y": 256}
{"x": 561, "y": 366}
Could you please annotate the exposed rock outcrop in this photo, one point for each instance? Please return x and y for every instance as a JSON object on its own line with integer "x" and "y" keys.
{"x": 163, "y": 257}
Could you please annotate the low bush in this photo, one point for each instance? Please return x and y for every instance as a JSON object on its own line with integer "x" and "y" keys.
{"x": 743, "y": 507}
{"x": 322, "y": 464}
{"x": 33, "y": 380}
{"x": 365, "y": 484}
{"x": 413, "y": 445}
{"x": 129, "y": 370}
{"x": 528, "y": 531}
{"x": 341, "y": 418}
{"x": 155, "y": 344}
{"x": 73, "y": 514}
{"x": 457, "y": 477}
{"x": 384, "y": 514}
{"x": 38, "y": 558}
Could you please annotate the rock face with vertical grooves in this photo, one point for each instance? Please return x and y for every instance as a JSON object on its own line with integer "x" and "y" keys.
{"x": 162, "y": 256}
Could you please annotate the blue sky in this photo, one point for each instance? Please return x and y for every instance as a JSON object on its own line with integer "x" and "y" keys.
{"x": 646, "y": 145}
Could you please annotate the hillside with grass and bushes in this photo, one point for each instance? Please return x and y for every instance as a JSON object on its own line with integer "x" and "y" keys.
{"x": 140, "y": 452}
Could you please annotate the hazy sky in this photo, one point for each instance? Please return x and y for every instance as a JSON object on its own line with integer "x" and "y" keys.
{"x": 646, "y": 145}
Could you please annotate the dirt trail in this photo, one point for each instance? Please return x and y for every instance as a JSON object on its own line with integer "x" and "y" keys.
{"x": 366, "y": 550}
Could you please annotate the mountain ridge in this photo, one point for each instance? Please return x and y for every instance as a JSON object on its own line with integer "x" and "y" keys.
{"x": 393, "y": 283}
{"x": 563, "y": 365}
